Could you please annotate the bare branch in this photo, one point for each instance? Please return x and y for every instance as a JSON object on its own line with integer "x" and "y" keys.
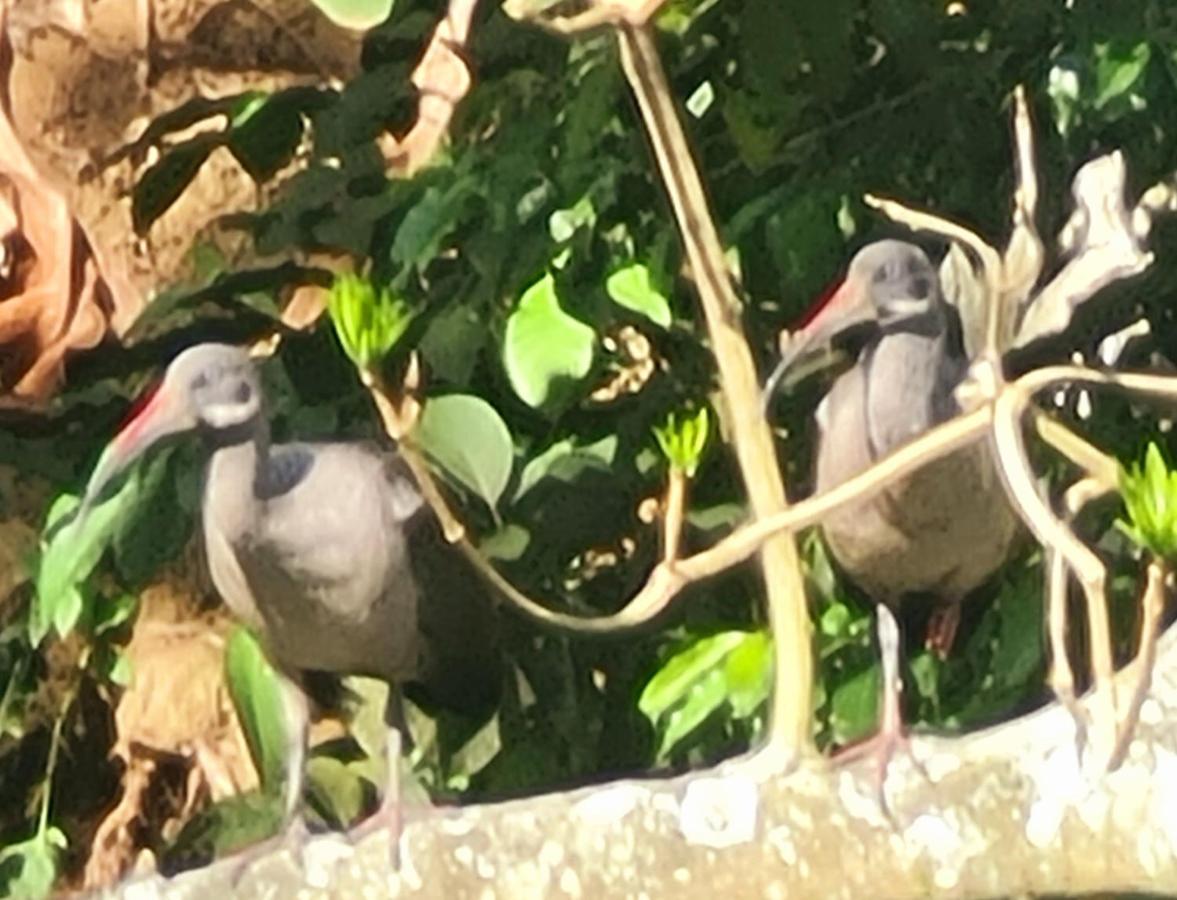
{"x": 1105, "y": 242}
{"x": 1152, "y": 608}
{"x": 1022, "y": 262}
{"x": 790, "y": 720}
{"x": 1013, "y": 464}
{"x": 598, "y": 15}
{"x": 674, "y": 509}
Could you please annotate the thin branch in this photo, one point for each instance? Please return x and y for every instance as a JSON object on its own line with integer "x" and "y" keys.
{"x": 1152, "y": 608}
{"x": 1024, "y": 255}
{"x": 790, "y": 730}
{"x": 602, "y": 14}
{"x": 673, "y": 512}
{"x": 1050, "y": 531}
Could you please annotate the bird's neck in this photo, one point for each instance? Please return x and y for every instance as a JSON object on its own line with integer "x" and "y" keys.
{"x": 238, "y": 462}
{"x": 909, "y": 383}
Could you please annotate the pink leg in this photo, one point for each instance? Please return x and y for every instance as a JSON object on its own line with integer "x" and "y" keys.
{"x": 890, "y": 735}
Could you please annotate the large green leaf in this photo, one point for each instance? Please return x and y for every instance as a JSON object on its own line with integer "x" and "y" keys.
{"x": 73, "y": 548}
{"x": 468, "y": 439}
{"x": 257, "y": 692}
{"x": 674, "y": 681}
{"x": 732, "y": 669}
{"x": 357, "y": 14}
{"x": 544, "y": 345}
{"x": 29, "y": 868}
{"x": 632, "y": 288}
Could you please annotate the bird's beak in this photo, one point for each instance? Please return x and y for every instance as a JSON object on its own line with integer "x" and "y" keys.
{"x": 161, "y": 416}
{"x": 848, "y": 306}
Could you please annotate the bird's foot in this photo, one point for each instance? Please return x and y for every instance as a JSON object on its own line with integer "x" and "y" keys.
{"x": 881, "y": 748}
{"x": 292, "y": 838}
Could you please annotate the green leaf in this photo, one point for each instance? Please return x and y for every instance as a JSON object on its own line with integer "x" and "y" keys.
{"x": 163, "y": 183}
{"x": 565, "y": 460}
{"x": 749, "y": 674}
{"x": 264, "y": 135}
{"x": 853, "y": 704}
{"x": 368, "y": 322}
{"x": 544, "y": 345}
{"x": 683, "y": 437}
{"x": 111, "y": 612}
{"x": 1149, "y": 492}
{"x": 564, "y": 223}
{"x": 632, "y": 288}
{"x": 507, "y": 544}
{"x": 257, "y": 692}
{"x": 704, "y": 697}
{"x": 29, "y": 868}
{"x": 732, "y": 668}
{"x": 152, "y": 532}
{"x": 225, "y": 827}
{"x": 429, "y": 222}
{"x": 357, "y": 14}
{"x": 71, "y": 553}
{"x": 466, "y": 437}
{"x": 674, "y": 681}
{"x": 335, "y": 789}
{"x": 1117, "y": 70}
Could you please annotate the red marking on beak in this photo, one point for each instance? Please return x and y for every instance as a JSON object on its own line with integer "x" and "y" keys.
{"x": 140, "y": 413}
{"x": 816, "y": 308}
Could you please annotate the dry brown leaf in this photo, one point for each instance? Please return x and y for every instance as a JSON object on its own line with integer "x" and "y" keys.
{"x": 52, "y": 299}
{"x": 176, "y": 716}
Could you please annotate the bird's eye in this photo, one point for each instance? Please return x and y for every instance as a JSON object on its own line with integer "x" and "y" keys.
{"x": 920, "y": 288}
{"x": 244, "y": 392}
{"x": 880, "y": 275}
{"x": 200, "y": 382}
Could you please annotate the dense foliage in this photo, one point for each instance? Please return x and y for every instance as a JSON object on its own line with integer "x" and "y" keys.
{"x": 535, "y": 268}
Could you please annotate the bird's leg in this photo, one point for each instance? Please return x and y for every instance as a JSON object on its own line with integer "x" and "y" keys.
{"x": 890, "y": 735}
{"x": 388, "y": 814}
{"x": 294, "y": 832}
{"x": 942, "y": 626}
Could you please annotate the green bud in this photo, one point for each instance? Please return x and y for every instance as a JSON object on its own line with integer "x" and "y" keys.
{"x": 368, "y": 321}
{"x": 683, "y": 438}
{"x": 1149, "y": 492}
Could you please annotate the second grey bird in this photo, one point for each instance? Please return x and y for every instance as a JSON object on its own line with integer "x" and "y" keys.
{"x": 942, "y": 531}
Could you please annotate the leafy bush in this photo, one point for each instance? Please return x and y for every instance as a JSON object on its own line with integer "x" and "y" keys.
{"x": 556, "y": 323}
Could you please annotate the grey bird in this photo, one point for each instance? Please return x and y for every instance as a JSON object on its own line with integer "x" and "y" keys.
{"x": 326, "y": 550}
{"x": 944, "y": 530}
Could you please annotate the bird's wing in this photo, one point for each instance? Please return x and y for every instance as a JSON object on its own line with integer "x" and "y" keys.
{"x": 227, "y": 576}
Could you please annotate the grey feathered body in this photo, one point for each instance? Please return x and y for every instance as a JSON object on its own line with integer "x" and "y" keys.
{"x": 309, "y": 544}
{"x": 946, "y": 528}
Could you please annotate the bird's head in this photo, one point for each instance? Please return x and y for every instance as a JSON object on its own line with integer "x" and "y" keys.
{"x": 890, "y": 284}
{"x": 210, "y": 387}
